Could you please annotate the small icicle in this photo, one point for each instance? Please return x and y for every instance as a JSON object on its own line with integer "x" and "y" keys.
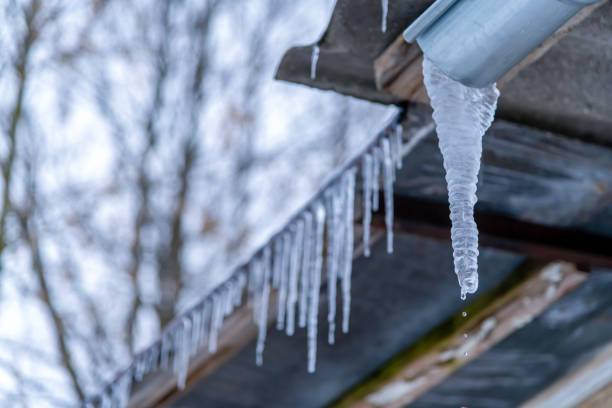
{"x": 396, "y": 147}
{"x": 314, "y": 60}
{"x": 278, "y": 262}
{"x": 306, "y": 262}
{"x": 138, "y": 368}
{"x": 215, "y": 322}
{"x": 206, "y": 311}
{"x": 376, "y": 159}
{"x": 181, "y": 352}
{"x": 334, "y": 239}
{"x": 262, "y": 318}
{"x": 165, "y": 350}
{"x": 122, "y": 389}
{"x": 296, "y": 253}
{"x": 366, "y": 176}
{"x": 240, "y": 289}
{"x": 284, "y": 282}
{"x": 153, "y": 359}
{"x": 388, "y": 189}
{"x": 349, "y": 211}
{"x": 228, "y": 303}
{"x": 313, "y": 306}
{"x": 385, "y": 12}
{"x": 196, "y": 332}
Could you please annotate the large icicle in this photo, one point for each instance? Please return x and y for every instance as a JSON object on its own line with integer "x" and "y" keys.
{"x": 388, "y": 191}
{"x": 366, "y": 176}
{"x": 294, "y": 267}
{"x": 462, "y": 115}
{"x": 315, "y": 284}
{"x": 349, "y": 211}
{"x": 314, "y": 60}
{"x": 306, "y": 265}
{"x": 262, "y": 317}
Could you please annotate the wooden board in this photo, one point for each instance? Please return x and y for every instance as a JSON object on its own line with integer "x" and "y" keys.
{"x": 395, "y": 386}
{"x": 527, "y": 174}
{"x": 561, "y": 339}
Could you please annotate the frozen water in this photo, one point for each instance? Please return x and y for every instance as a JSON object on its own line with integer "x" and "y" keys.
{"x": 396, "y": 145}
{"x": 462, "y": 115}
{"x": 293, "y": 263}
{"x": 335, "y": 236}
{"x": 306, "y": 262}
{"x": 385, "y": 12}
{"x": 296, "y": 253}
{"x": 314, "y": 60}
{"x": 282, "y": 290}
{"x": 262, "y": 317}
{"x": 376, "y": 155}
{"x": 388, "y": 173}
{"x": 315, "y": 284}
{"x": 366, "y": 176}
{"x": 349, "y": 209}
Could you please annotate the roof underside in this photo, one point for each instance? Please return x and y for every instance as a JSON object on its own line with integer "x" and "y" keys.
{"x": 569, "y": 90}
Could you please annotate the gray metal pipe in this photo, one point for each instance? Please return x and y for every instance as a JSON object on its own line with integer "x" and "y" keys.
{"x": 477, "y": 41}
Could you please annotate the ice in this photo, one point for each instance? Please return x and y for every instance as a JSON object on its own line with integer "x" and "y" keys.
{"x": 196, "y": 332}
{"x": 376, "y": 155}
{"x": 215, "y": 322}
{"x": 315, "y": 284}
{"x": 334, "y": 239}
{"x": 182, "y": 352}
{"x": 262, "y": 317}
{"x": 388, "y": 172}
{"x": 366, "y": 176}
{"x": 278, "y": 262}
{"x": 396, "y": 145}
{"x": 385, "y": 12}
{"x": 165, "y": 350}
{"x": 294, "y": 268}
{"x": 314, "y": 60}
{"x": 462, "y": 115}
{"x": 206, "y": 319}
{"x": 284, "y": 282}
{"x": 349, "y": 210}
{"x": 306, "y": 265}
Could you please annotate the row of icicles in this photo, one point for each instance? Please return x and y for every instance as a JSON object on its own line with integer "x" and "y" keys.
{"x": 293, "y": 263}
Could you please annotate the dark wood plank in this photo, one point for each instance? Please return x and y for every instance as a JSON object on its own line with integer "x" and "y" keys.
{"x": 535, "y": 356}
{"x": 527, "y": 174}
{"x": 431, "y": 219}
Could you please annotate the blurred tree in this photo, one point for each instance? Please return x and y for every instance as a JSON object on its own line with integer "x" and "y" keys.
{"x": 145, "y": 149}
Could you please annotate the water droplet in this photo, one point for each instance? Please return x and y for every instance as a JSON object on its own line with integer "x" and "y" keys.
{"x": 465, "y": 335}
{"x": 464, "y": 314}
{"x": 465, "y": 354}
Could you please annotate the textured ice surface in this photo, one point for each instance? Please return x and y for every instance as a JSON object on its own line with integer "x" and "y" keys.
{"x": 462, "y": 115}
{"x": 385, "y": 12}
{"x": 314, "y": 60}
